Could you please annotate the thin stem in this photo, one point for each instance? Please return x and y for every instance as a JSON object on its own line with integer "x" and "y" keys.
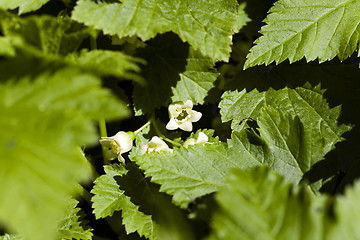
{"x": 93, "y": 43}
{"x": 142, "y": 128}
{"x": 103, "y": 133}
{"x": 162, "y": 135}
{"x": 171, "y": 141}
{"x": 102, "y": 127}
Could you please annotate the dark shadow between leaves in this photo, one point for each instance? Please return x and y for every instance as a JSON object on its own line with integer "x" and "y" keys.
{"x": 166, "y": 56}
{"x": 200, "y": 212}
{"x": 146, "y": 195}
{"x": 335, "y": 171}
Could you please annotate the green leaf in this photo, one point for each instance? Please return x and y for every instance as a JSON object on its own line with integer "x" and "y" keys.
{"x": 50, "y": 35}
{"x": 258, "y": 204}
{"x": 197, "y": 79}
{"x": 6, "y": 47}
{"x": 347, "y": 211}
{"x": 171, "y": 222}
{"x": 73, "y": 226}
{"x": 312, "y": 29}
{"x": 50, "y": 39}
{"x": 68, "y": 91}
{"x": 43, "y": 119}
{"x": 319, "y": 120}
{"x": 23, "y": 5}
{"x": 210, "y": 33}
{"x": 281, "y": 144}
{"x": 108, "y": 198}
{"x": 106, "y": 62}
{"x": 285, "y": 148}
{"x": 174, "y": 72}
{"x": 188, "y": 173}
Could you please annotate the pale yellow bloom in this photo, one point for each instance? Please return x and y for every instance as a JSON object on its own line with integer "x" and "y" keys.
{"x": 118, "y": 144}
{"x": 202, "y": 139}
{"x": 155, "y": 145}
{"x": 182, "y": 116}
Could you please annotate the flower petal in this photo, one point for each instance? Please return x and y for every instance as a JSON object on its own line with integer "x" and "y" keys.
{"x": 186, "y": 126}
{"x": 124, "y": 140}
{"x": 105, "y": 142}
{"x": 143, "y": 147}
{"x": 173, "y": 107}
{"x": 158, "y": 141}
{"x": 188, "y": 104}
{"x": 121, "y": 159}
{"x": 172, "y": 125}
{"x": 189, "y": 142}
{"x": 195, "y": 116}
{"x": 110, "y": 155}
{"x": 202, "y": 138}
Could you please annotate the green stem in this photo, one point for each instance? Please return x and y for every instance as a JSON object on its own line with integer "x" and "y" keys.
{"x": 171, "y": 141}
{"x": 93, "y": 43}
{"x": 102, "y": 127}
{"x": 153, "y": 121}
{"x": 142, "y": 128}
{"x": 103, "y": 133}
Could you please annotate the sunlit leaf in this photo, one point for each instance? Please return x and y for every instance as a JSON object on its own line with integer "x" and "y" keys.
{"x": 108, "y": 198}
{"x": 210, "y": 33}
{"x": 312, "y": 29}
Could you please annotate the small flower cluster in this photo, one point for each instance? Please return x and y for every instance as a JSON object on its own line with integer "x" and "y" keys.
{"x": 181, "y": 116}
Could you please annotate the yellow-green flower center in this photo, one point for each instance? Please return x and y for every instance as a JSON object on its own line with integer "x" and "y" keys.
{"x": 115, "y": 147}
{"x": 182, "y": 115}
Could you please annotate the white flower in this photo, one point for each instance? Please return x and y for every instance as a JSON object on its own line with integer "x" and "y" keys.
{"x": 202, "y": 139}
{"x": 182, "y": 116}
{"x": 118, "y": 144}
{"x": 155, "y": 145}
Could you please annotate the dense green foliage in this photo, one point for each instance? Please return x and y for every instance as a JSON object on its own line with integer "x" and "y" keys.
{"x": 265, "y": 152}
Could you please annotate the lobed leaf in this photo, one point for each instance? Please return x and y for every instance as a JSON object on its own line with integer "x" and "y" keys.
{"x": 73, "y": 226}
{"x": 108, "y": 198}
{"x": 23, "y": 5}
{"x": 210, "y": 33}
{"x": 179, "y": 173}
{"x": 188, "y": 173}
{"x": 282, "y": 143}
{"x": 319, "y": 120}
{"x": 168, "y": 220}
{"x": 312, "y": 29}
{"x": 197, "y": 79}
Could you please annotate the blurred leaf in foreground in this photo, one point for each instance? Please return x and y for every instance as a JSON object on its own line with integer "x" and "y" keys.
{"x": 43, "y": 119}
